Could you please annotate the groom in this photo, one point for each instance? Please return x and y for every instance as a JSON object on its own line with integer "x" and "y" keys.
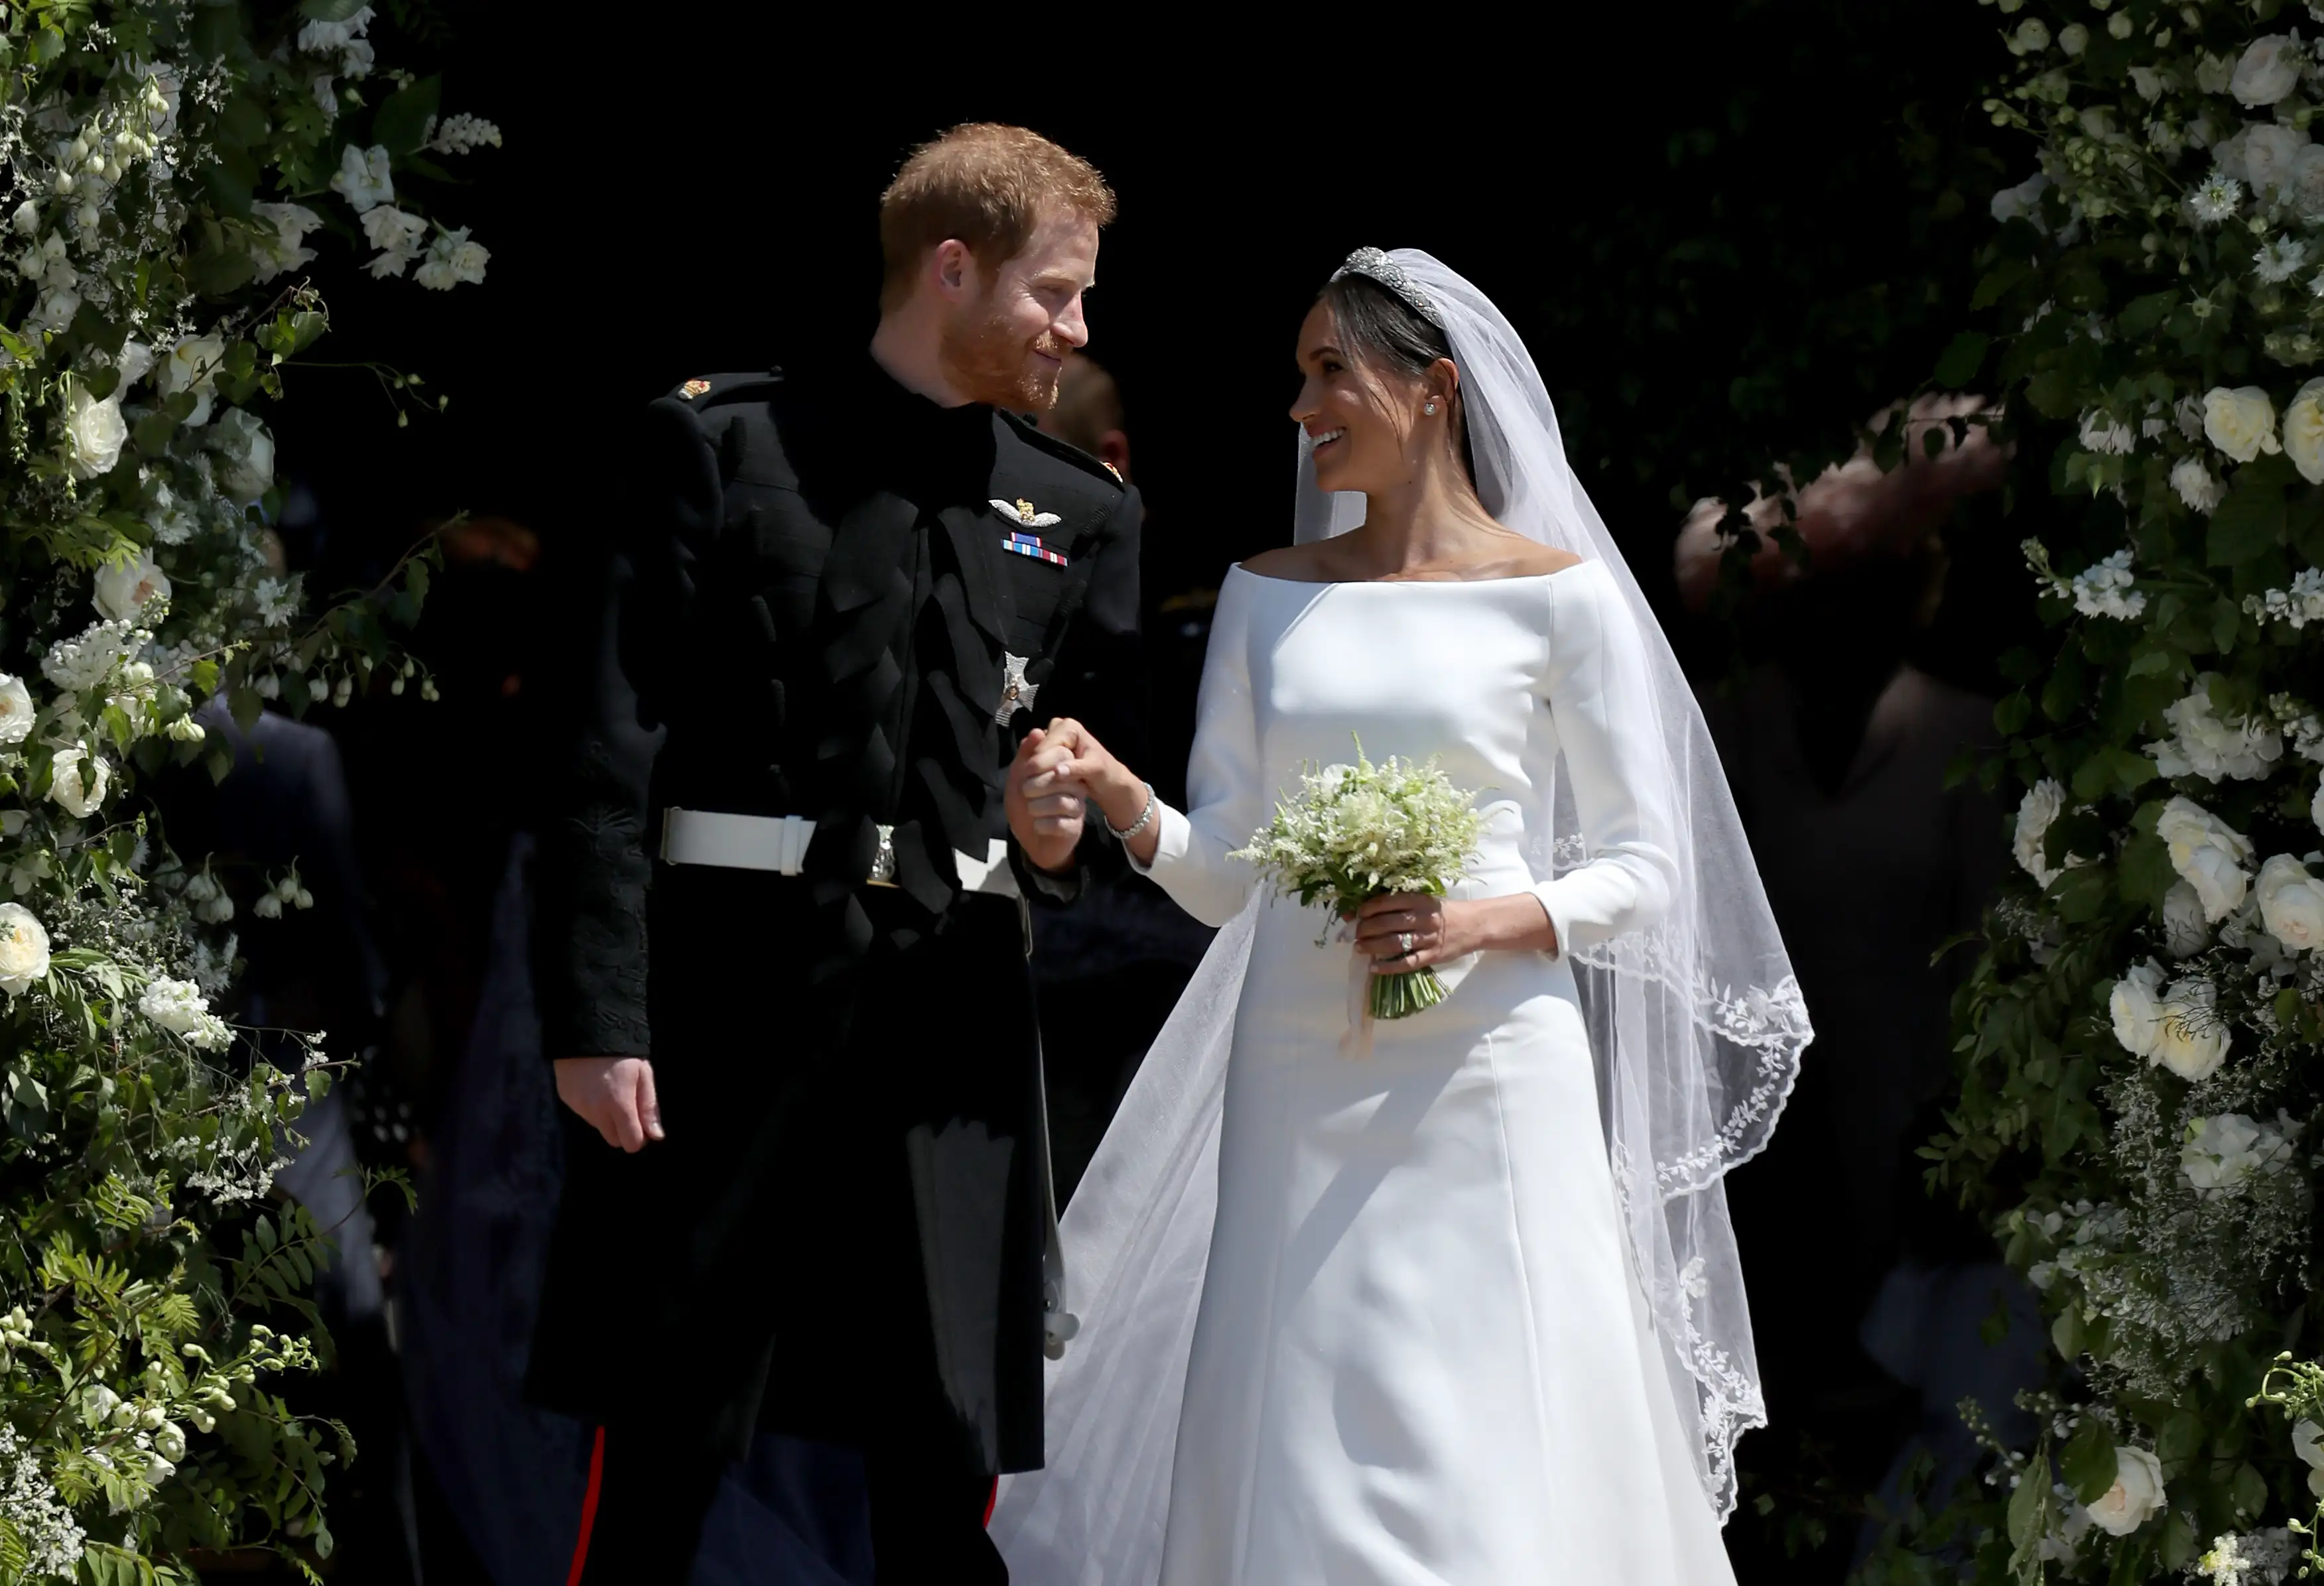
{"x": 784, "y": 918}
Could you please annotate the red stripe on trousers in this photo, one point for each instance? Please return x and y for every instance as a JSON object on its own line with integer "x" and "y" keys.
{"x": 992, "y": 1501}
{"x": 589, "y": 1509}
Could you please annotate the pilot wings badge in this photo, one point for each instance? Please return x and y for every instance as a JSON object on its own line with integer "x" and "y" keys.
{"x": 1020, "y": 543}
{"x": 1022, "y": 511}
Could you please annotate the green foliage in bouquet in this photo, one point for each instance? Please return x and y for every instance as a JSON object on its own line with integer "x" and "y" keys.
{"x": 1351, "y": 833}
{"x": 2138, "y": 1046}
{"x": 163, "y": 168}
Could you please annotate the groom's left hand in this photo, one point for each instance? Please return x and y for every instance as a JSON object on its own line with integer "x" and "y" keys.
{"x": 1045, "y": 809}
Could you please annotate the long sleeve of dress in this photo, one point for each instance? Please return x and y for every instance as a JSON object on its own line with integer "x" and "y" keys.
{"x": 1225, "y": 800}
{"x": 1601, "y": 703}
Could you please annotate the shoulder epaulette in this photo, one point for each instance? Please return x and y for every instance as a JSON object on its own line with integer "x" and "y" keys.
{"x": 709, "y": 390}
{"x": 1041, "y": 439}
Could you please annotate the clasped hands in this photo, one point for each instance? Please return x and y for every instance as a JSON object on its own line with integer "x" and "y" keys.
{"x": 1062, "y": 768}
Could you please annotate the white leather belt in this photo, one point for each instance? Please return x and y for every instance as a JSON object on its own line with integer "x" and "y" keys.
{"x": 778, "y": 843}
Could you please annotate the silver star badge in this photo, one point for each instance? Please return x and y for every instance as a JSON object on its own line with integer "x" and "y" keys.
{"x": 1015, "y": 693}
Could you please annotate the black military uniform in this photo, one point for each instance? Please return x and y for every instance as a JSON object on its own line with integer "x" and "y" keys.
{"x": 822, "y": 612}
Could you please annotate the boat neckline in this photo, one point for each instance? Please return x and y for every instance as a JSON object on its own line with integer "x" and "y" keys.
{"x": 1333, "y": 584}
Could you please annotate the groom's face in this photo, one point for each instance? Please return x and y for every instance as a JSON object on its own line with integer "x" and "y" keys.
{"x": 1005, "y": 338}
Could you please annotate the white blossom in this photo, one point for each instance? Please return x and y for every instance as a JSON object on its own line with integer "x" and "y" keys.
{"x": 396, "y": 234}
{"x": 2209, "y": 855}
{"x": 2023, "y": 200}
{"x": 461, "y": 133}
{"x": 2032, "y": 37}
{"x": 2271, "y": 157}
{"x": 125, "y": 589}
{"x": 179, "y": 1007}
{"x": 2135, "y": 1496}
{"x": 2221, "y": 1153}
{"x": 325, "y": 38}
{"x": 2291, "y": 903}
{"x": 2103, "y": 589}
{"x": 245, "y": 452}
{"x": 277, "y": 599}
{"x": 2191, "y": 1038}
{"x": 2185, "y": 930}
{"x": 95, "y": 431}
{"x": 2303, "y": 431}
{"x": 91, "y": 656}
{"x": 79, "y": 780}
{"x": 2299, "y": 606}
{"x": 2215, "y": 198}
{"x": 2105, "y": 434}
{"x": 24, "y": 949}
{"x": 286, "y": 248}
{"x": 2136, "y": 1007}
{"x": 2042, "y": 805}
{"x": 2197, "y": 485}
{"x": 452, "y": 258}
{"x": 192, "y": 366}
{"x": 2279, "y": 259}
{"x": 356, "y": 60}
{"x": 2240, "y": 422}
{"x": 2269, "y": 70}
{"x": 363, "y": 179}
{"x": 2256, "y": 1558}
{"x": 17, "y": 710}
{"x": 2206, "y": 745}
{"x": 29, "y": 1502}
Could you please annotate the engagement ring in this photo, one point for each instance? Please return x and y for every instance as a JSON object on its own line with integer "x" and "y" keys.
{"x": 1406, "y": 942}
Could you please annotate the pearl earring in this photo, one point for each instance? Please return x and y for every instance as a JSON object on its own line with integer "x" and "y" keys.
{"x": 1429, "y": 408}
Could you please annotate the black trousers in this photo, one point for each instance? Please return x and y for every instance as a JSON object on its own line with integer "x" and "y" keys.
{"x": 654, "y": 1491}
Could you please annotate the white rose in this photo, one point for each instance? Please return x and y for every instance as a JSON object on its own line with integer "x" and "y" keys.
{"x": 23, "y": 949}
{"x": 123, "y": 588}
{"x": 2135, "y": 1496}
{"x": 2209, "y": 855}
{"x": 246, "y": 455}
{"x": 192, "y": 366}
{"x": 78, "y": 780}
{"x": 2240, "y": 422}
{"x": 363, "y": 179}
{"x": 2303, "y": 431}
{"x": 2136, "y": 1004}
{"x": 2269, "y": 71}
{"x": 2271, "y": 156}
{"x": 2291, "y": 904}
{"x": 2185, "y": 931}
{"x": 2306, "y": 189}
{"x": 2035, "y": 812}
{"x": 2192, "y": 1040}
{"x": 96, "y": 432}
{"x": 17, "y": 710}
{"x": 2197, "y": 485}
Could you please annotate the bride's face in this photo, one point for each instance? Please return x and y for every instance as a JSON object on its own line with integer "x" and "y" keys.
{"x": 1362, "y": 420}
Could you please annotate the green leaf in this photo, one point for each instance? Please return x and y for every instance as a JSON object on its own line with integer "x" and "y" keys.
{"x": 2249, "y": 522}
{"x": 2087, "y": 1463}
{"x": 2179, "y": 1437}
{"x": 2029, "y": 1506}
{"x": 2143, "y": 870}
{"x": 2066, "y": 1333}
{"x": 1997, "y": 282}
{"x": 330, "y": 10}
{"x": 1963, "y": 356}
{"x": 402, "y": 124}
{"x": 2011, "y": 715}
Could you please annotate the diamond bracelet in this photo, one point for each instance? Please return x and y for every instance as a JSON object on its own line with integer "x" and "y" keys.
{"x": 1124, "y": 834}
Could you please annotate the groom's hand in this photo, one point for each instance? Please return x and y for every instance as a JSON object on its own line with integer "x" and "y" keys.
{"x": 616, "y": 1094}
{"x": 1045, "y": 809}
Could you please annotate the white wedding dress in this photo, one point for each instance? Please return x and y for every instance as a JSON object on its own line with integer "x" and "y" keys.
{"x": 1422, "y": 1354}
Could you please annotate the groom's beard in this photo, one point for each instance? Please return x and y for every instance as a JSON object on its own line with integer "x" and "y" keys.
{"x": 987, "y": 363}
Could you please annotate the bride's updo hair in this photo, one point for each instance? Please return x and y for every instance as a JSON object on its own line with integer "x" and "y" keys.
{"x": 1394, "y": 338}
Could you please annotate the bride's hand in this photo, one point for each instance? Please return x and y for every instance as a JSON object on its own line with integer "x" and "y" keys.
{"x": 1113, "y": 787}
{"x": 1403, "y": 931}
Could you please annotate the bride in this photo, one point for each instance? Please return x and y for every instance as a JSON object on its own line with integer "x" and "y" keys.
{"x": 1453, "y": 1299}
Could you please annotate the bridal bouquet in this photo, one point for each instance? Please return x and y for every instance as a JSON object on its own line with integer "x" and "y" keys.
{"x": 1354, "y": 832}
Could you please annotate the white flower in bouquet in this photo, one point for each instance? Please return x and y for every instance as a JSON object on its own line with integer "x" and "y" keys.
{"x": 24, "y": 949}
{"x": 17, "y": 710}
{"x": 2205, "y": 744}
{"x": 2191, "y": 1040}
{"x": 2308, "y": 1442}
{"x": 2032, "y": 37}
{"x": 2036, "y": 811}
{"x": 2106, "y": 434}
{"x": 179, "y": 1007}
{"x": 452, "y": 260}
{"x": 2185, "y": 930}
{"x": 363, "y": 177}
{"x": 2105, "y": 588}
{"x": 2279, "y": 259}
{"x": 2209, "y": 855}
{"x": 245, "y": 456}
{"x": 2269, "y": 70}
{"x": 91, "y": 656}
{"x": 2197, "y": 485}
{"x": 2136, "y": 1004}
{"x": 462, "y": 132}
{"x": 95, "y": 432}
{"x": 79, "y": 780}
{"x": 326, "y": 38}
{"x": 123, "y": 589}
{"x": 2271, "y": 154}
{"x": 396, "y": 234}
{"x": 2316, "y": 808}
{"x": 2305, "y": 191}
{"x": 2256, "y": 1558}
{"x": 2303, "y": 431}
{"x": 2023, "y": 200}
{"x": 192, "y": 366}
{"x": 2222, "y": 1152}
{"x": 1351, "y": 833}
{"x": 286, "y": 250}
{"x": 2135, "y": 1496}
{"x": 2215, "y": 198}
{"x": 2291, "y": 903}
{"x": 2240, "y": 422}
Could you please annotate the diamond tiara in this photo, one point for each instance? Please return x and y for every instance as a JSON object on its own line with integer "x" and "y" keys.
{"x": 1375, "y": 265}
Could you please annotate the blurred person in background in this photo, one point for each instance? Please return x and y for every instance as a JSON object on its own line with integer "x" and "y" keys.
{"x": 1837, "y": 746}
{"x": 1109, "y": 971}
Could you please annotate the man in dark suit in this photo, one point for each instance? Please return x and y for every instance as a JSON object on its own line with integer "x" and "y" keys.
{"x": 786, "y": 904}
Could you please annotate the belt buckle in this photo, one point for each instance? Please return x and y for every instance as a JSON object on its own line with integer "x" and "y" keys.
{"x": 883, "y": 859}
